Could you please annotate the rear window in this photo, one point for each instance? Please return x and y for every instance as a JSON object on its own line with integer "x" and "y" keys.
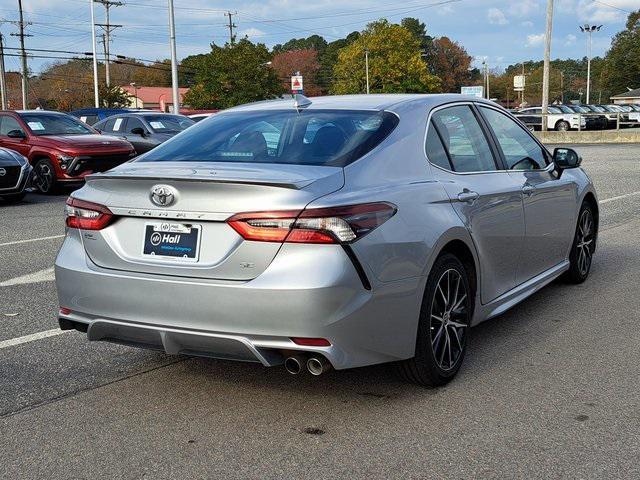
{"x": 310, "y": 137}
{"x": 168, "y": 123}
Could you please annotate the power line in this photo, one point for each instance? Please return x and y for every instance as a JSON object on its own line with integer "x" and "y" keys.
{"x": 108, "y": 28}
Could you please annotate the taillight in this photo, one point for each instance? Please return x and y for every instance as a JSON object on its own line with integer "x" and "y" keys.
{"x": 86, "y": 215}
{"x": 317, "y": 225}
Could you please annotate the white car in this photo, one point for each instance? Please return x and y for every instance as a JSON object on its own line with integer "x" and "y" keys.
{"x": 557, "y": 119}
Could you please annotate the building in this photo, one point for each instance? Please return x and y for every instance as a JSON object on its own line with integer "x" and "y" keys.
{"x": 153, "y": 98}
{"x": 632, "y": 96}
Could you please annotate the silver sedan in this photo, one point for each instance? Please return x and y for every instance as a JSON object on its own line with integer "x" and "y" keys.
{"x": 326, "y": 232}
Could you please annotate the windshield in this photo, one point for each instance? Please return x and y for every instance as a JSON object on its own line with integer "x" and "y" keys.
{"x": 554, "y": 110}
{"x": 577, "y": 108}
{"x": 597, "y": 109}
{"x": 311, "y": 137}
{"x": 54, "y": 124}
{"x": 564, "y": 109}
{"x": 168, "y": 123}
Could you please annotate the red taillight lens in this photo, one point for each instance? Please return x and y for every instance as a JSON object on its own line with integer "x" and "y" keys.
{"x": 86, "y": 215}
{"x": 318, "y": 225}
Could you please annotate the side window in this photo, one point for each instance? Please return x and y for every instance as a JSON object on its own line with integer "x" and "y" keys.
{"x": 7, "y": 124}
{"x": 134, "y": 123}
{"x": 520, "y": 151}
{"x": 464, "y": 139}
{"x": 108, "y": 125}
{"x": 435, "y": 150}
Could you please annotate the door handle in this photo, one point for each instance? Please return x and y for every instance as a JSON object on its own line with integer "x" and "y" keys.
{"x": 468, "y": 196}
{"x": 528, "y": 189}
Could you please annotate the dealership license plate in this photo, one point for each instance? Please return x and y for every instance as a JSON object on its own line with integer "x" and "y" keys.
{"x": 172, "y": 241}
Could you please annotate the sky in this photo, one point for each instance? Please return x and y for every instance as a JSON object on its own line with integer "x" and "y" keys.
{"x": 502, "y": 32}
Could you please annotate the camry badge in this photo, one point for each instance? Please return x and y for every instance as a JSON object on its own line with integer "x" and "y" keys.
{"x": 163, "y": 195}
{"x": 3, "y": 172}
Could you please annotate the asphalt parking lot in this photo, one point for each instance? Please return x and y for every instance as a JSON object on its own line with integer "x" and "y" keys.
{"x": 548, "y": 390}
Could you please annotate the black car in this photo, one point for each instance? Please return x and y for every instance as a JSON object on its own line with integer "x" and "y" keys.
{"x": 594, "y": 121}
{"x": 144, "y": 130}
{"x": 15, "y": 175}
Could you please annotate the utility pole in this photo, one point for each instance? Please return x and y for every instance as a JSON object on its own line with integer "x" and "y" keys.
{"x": 23, "y": 55}
{"x": 96, "y": 94}
{"x": 232, "y": 37}
{"x": 523, "y": 85}
{"x": 366, "y": 66}
{"x": 108, "y": 28}
{"x": 3, "y": 84}
{"x": 546, "y": 68}
{"x": 561, "y": 87}
{"x": 174, "y": 60}
{"x": 589, "y": 29}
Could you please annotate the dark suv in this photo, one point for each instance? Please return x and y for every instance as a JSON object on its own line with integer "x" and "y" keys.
{"x": 61, "y": 148}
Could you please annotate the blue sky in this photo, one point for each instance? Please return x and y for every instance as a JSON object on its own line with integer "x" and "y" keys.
{"x": 503, "y": 32}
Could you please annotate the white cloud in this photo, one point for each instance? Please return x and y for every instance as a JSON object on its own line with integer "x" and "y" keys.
{"x": 524, "y": 8}
{"x": 252, "y": 33}
{"x": 613, "y": 11}
{"x": 534, "y": 40}
{"x": 445, "y": 10}
{"x": 496, "y": 17}
{"x": 570, "y": 40}
{"x": 527, "y": 24}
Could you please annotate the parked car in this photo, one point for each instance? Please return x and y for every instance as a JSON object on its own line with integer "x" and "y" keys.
{"x": 628, "y": 116}
{"x": 144, "y": 130}
{"x": 593, "y": 121}
{"x": 15, "y": 175}
{"x": 196, "y": 117}
{"x": 612, "y": 117}
{"x": 353, "y": 242}
{"x": 556, "y": 119}
{"x": 91, "y": 116}
{"x": 61, "y": 148}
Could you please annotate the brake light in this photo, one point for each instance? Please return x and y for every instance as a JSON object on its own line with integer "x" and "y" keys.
{"x": 86, "y": 215}
{"x": 311, "y": 342}
{"x": 343, "y": 224}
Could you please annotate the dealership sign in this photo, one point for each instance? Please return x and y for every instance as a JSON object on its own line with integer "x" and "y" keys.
{"x": 296, "y": 83}
{"x": 518, "y": 83}
{"x": 477, "y": 91}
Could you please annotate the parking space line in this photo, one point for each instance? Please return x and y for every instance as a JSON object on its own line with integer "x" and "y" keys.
{"x": 45, "y": 275}
{"x": 626, "y": 195}
{"x": 29, "y": 240}
{"x": 12, "y": 342}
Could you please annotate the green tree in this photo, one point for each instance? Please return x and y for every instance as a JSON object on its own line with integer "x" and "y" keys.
{"x": 395, "y": 64}
{"x": 314, "y": 42}
{"x": 623, "y": 58}
{"x": 231, "y": 75}
{"x": 329, "y": 57}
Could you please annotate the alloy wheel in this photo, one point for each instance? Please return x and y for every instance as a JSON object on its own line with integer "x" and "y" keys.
{"x": 44, "y": 177}
{"x": 584, "y": 242}
{"x": 449, "y": 319}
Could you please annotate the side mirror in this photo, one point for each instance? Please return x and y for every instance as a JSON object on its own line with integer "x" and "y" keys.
{"x": 138, "y": 131}
{"x": 16, "y": 134}
{"x": 564, "y": 158}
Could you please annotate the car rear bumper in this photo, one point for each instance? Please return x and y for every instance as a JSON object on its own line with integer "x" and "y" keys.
{"x": 307, "y": 291}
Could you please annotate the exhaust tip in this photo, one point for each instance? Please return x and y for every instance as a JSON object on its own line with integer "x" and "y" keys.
{"x": 294, "y": 364}
{"x": 318, "y": 365}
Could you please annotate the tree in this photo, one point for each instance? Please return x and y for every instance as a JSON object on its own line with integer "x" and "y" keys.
{"x": 395, "y": 64}
{"x": 419, "y": 31}
{"x": 303, "y": 61}
{"x": 231, "y": 75}
{"x": 623, "y": 58}
{"x": 314, "y": 42}
{"x": 450, "y": 62}
{"x": 329, "y": 58}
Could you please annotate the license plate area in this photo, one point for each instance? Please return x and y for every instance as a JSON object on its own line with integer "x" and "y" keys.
{"x": 172, "y": 242}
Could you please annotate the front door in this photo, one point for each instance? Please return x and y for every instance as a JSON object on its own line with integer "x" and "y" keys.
{"x": 8, "y": 124}
{"x": 548, "y": 200}
{"x": 487, "y": 200}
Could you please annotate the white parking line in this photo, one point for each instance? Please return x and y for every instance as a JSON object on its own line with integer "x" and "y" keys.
{"x": 12, "y": 342}
{"x": 626, "y": 195}
{"x": 29, "y": 240}
{"x": 45, "y": 275}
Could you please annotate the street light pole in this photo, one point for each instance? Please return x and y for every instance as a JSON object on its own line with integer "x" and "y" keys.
{"x": 589, "y": 29}
{"x": 546, "y": 67}
{"x": 96, "y": 95}
{"x": 366, "y": 63}
{"x": 174, "y": 60}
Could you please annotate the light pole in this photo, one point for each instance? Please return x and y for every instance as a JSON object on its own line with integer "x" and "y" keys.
{"x": 546, "y": 69}
{"x": 589, "y": 29}
{"x": 174, "y": 59}
{"x": 135, "y": 92}
{"x": 366, "y": 66}
{"x": 96, "y": 95}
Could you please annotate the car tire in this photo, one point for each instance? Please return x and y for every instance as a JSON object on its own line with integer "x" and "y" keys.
{"x": 443, "y": 327}
{"x": 44, "y": 177}
{"x": 14, "y": 198}
{"x": 584, "y": 244}
{"x": 562, "y": 126}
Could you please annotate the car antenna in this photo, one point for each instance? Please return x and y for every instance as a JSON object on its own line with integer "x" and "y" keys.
{"x": 300, "y": 101}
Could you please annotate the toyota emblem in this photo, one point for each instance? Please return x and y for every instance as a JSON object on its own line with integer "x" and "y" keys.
{"x": 163, "y": 195}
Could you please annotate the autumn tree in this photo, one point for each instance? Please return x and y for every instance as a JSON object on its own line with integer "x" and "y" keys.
{"x": 450, "y": 62}
{"x": 231, "y": 75}
{"x": 304, "y": 61}
{"x": 395, "y": 64}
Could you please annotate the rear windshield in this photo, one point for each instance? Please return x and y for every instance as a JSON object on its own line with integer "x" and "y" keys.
{"x": 54, "y": 124}
{"x": 311, "y": 137}
{"x": 168, "y": 123}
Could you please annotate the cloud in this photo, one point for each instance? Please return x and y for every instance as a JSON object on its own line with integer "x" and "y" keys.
{"x": 496, "y": 17}
{"x": 534, "y": 40}
{"x": 527, "y": 24}
{"x": 445, "y": 10}
{"x": 524, "y": 8}
{"x": 570, "y": 40}
{"x": 252, "y": 33}
{"x": 613, "y": 11}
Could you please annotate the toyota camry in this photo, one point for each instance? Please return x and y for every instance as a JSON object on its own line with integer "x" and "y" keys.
{"x": 332, "y": 232}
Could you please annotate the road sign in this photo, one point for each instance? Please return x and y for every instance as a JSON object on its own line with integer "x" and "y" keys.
{"x": 518, "y": 83}
{"x": 296, "y": 83}
{"x": 477, "y": 91}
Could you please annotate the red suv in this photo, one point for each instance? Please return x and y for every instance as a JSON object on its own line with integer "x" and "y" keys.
{"x": 62, "y": 149}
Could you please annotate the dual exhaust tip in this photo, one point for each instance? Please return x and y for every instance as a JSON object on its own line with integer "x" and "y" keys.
{"x": 315, "y": 365}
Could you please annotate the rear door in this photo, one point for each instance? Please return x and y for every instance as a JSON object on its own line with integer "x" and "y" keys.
{"x": 549, "y": 201}
{"x": 142, "y": 143}
{"x": 487, "y": 199}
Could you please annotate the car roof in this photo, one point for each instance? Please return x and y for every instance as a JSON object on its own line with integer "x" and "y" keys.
{"x": 388, "y": 101}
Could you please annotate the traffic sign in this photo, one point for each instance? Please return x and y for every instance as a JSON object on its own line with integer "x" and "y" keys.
{"x": 518, "y": 83}
{"x": 296, "y": 83}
